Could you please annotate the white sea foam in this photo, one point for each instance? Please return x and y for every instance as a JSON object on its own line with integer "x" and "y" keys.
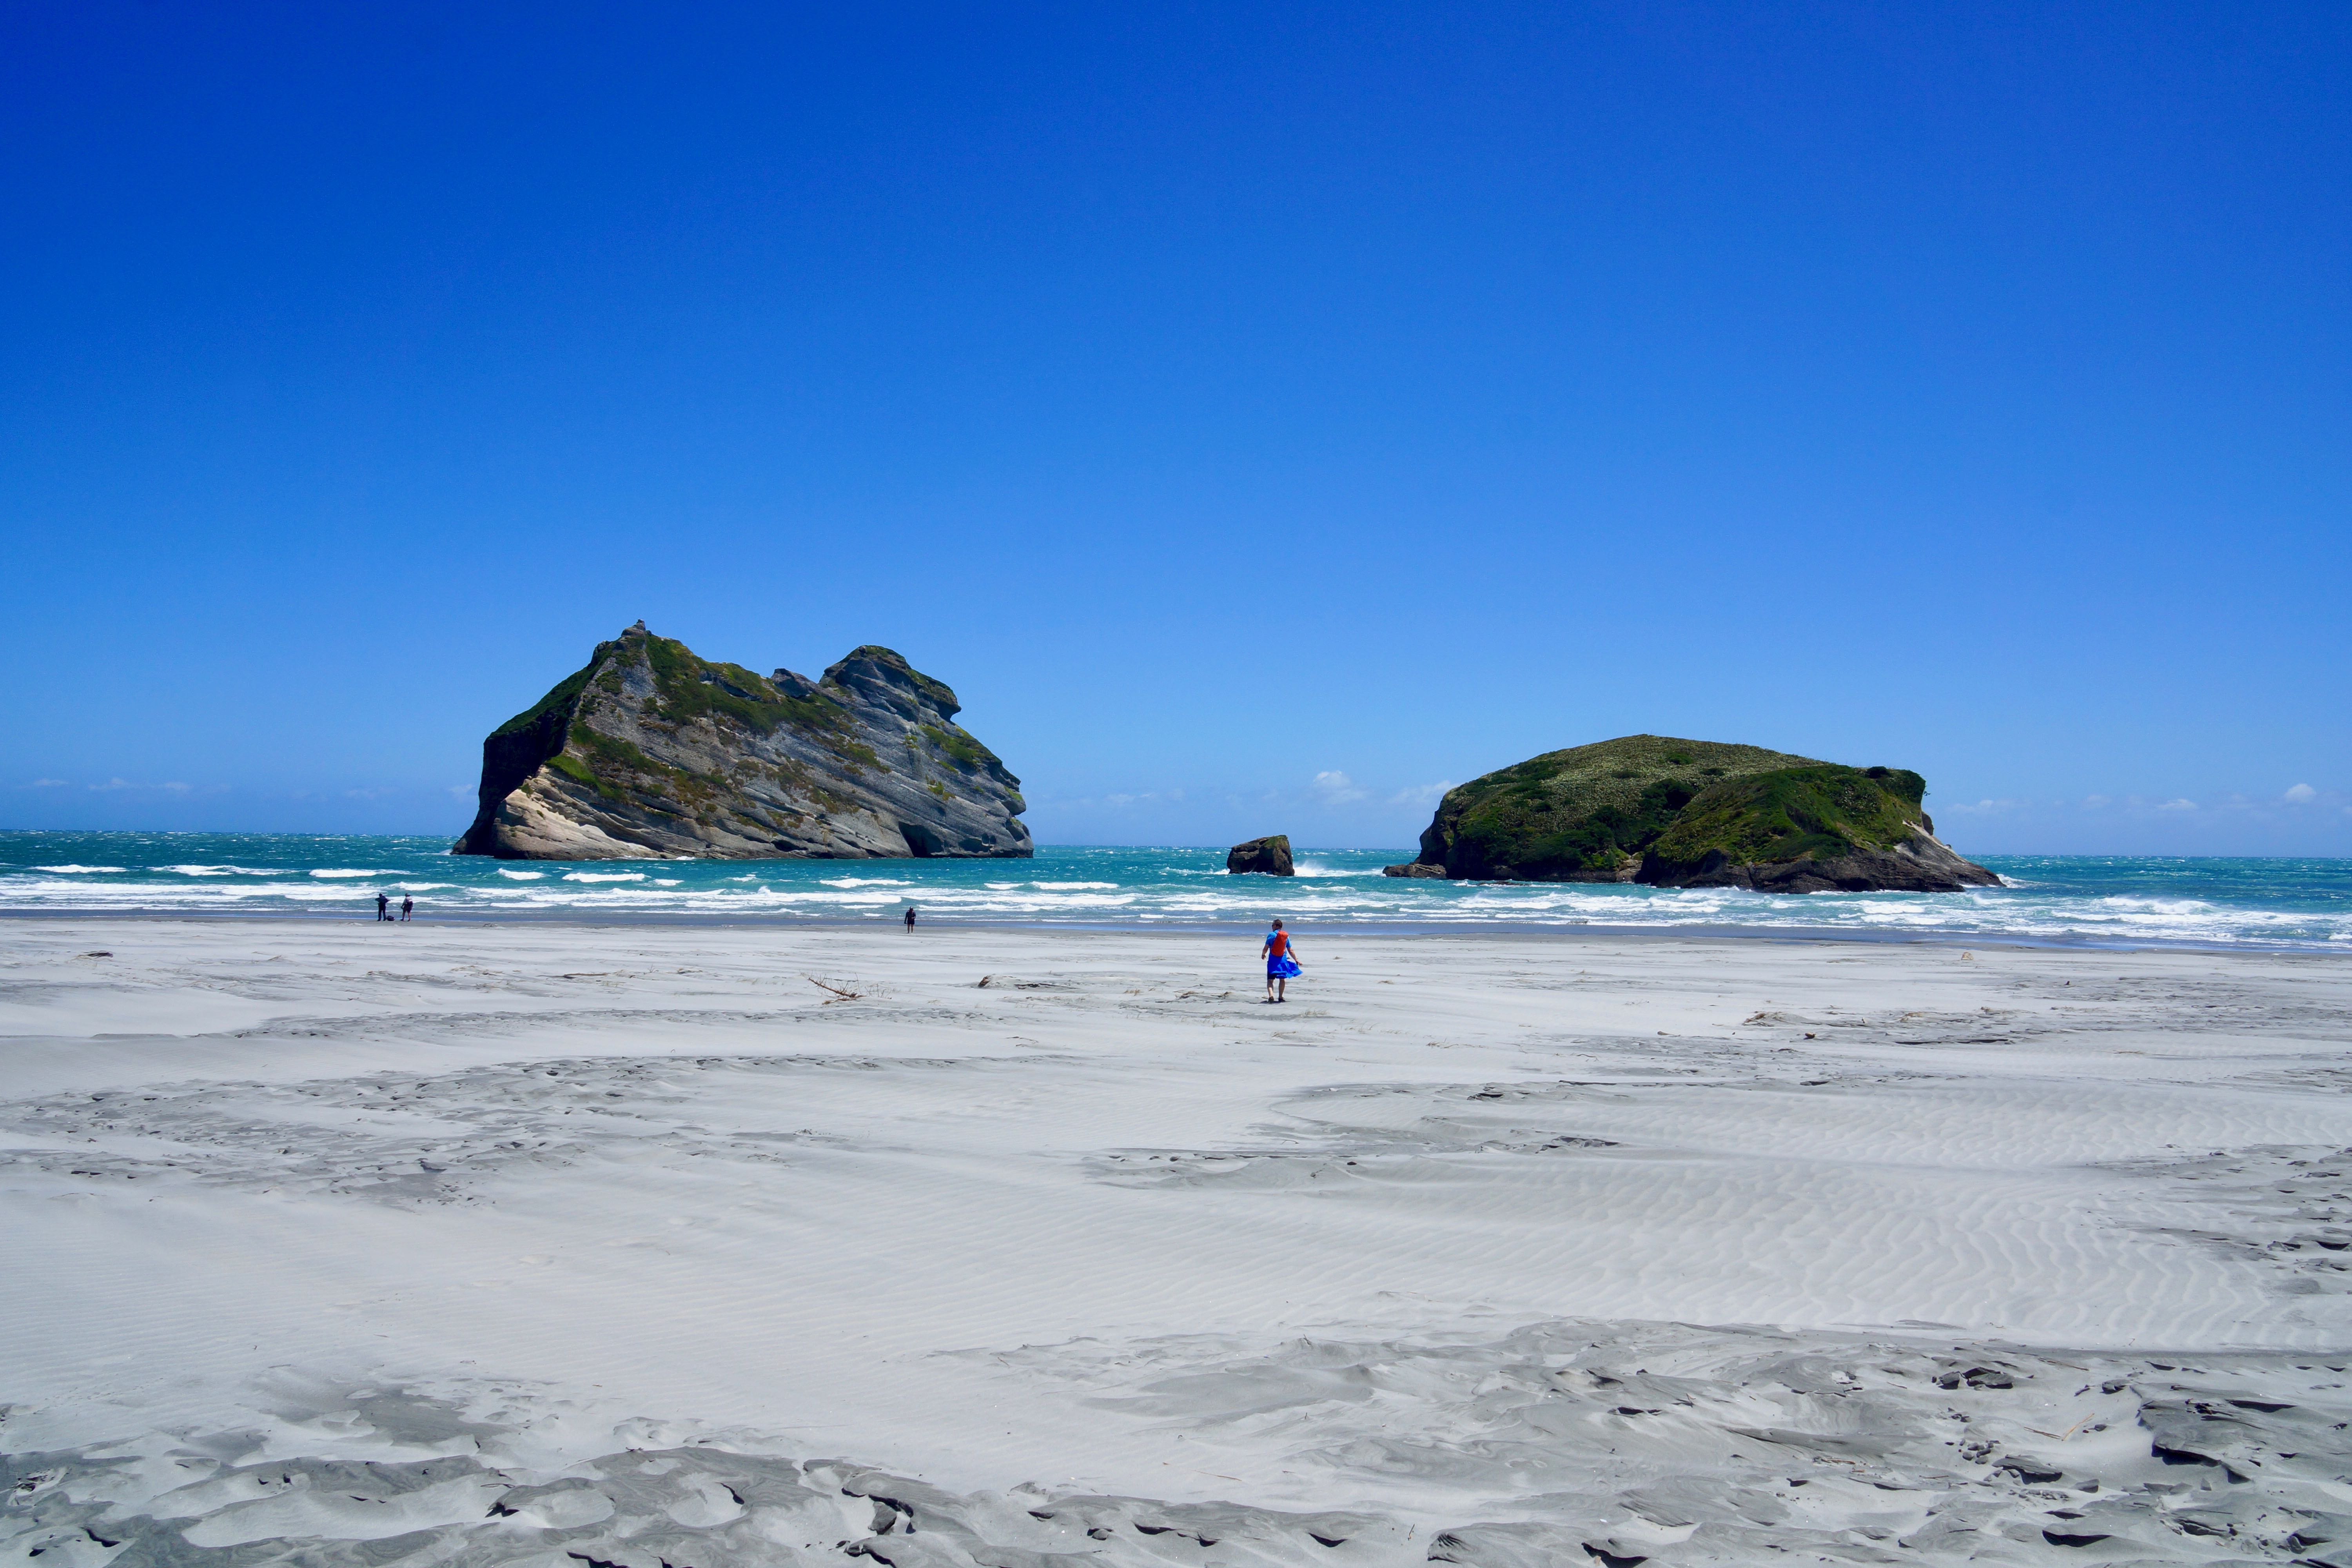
{"x": 2114, "y": 902}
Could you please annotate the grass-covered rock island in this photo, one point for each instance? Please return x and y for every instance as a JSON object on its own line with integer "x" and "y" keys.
{"x": 1693, "y": 813}
{"x": 650, "y": 751}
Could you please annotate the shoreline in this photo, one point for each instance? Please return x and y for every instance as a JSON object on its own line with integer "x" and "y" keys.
{"x": 2217, "y": 904}
{"x": 1519, "y": 931}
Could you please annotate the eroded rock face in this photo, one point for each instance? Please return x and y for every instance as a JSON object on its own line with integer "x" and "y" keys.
{"x": 1270, "y": 856}
{"x": 650, "y": 751}
{"x": 1413, "y": 869}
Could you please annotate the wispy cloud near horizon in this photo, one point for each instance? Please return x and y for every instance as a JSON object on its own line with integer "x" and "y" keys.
{"x": 169, "y": 786}
{"x": 1336, "y": 788}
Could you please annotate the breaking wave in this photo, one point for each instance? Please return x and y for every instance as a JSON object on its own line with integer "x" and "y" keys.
{"x": 2214, "y": 902}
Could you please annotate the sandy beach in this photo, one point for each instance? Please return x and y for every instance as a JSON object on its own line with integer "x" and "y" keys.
{"x": 637, "y": 1245}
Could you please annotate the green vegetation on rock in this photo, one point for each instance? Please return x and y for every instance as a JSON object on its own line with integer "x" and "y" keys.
{"x": 1678, "y": 813}
{"x": 617, "y": 768}
{"x": 560, "y": 700}
{"x": 692, "y": 688}
{"x": 1823, "y": 811}
{"x": 967, "y": 753}
{"x": 578, "y": 772}
{"x": 1586, "y": 814}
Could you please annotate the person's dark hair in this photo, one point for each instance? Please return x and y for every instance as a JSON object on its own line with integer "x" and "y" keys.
{"x": 1277, "y": 925}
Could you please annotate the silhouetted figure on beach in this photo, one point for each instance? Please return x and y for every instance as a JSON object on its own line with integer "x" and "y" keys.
{"x": 1279, "y": 965}
{"x": 407, "y": 906}
{"x": 910, "y": 920}
{"x": 384, "y": 906}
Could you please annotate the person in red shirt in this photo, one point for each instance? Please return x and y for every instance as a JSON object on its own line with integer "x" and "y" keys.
{"x": 1279, "y": 964}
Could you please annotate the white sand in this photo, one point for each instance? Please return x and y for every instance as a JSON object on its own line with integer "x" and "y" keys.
{"x": 1493, "y": 1249}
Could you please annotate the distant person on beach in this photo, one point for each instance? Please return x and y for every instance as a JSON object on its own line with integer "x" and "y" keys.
{"x": 1279, "y": 965}
{"x": 910, "y": 920}
{"x": 384, "y": 906}
{"x": 407, "y": 906}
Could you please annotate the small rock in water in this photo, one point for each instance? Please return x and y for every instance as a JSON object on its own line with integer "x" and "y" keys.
{"x": 1269, "y": 856}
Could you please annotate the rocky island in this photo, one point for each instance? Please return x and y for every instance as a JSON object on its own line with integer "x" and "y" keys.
{"x": 650, "y": 752}
{"x": 1693, "y": 813}
{"x": 1268, "y": 856}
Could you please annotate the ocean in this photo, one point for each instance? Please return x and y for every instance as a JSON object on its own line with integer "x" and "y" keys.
{"x": 2277, "y": 904}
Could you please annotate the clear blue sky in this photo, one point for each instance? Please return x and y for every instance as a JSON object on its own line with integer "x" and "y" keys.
{"x": 1260, "y": 414}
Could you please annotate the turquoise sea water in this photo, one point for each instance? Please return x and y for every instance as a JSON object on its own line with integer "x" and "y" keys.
{"x": 2269, "y": 902}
